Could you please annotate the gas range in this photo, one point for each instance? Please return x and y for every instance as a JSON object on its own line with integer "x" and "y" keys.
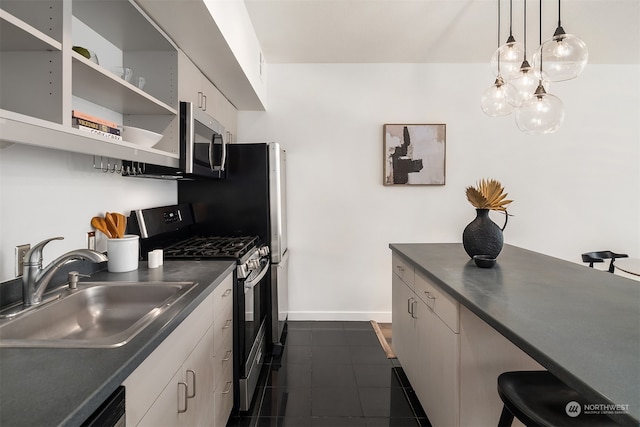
{"x": 171, "y": 228}
{"x": 213, "y": 247}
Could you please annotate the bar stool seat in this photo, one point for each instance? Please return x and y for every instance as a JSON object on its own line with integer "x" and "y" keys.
{"x": 538, "y": 398}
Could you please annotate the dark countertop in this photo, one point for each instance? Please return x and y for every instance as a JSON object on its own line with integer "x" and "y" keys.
{"x": 581, "y": 324}
{"x": 53, "y": 386}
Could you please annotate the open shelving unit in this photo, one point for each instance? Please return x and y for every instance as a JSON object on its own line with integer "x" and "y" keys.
{"x": 42, "y": 79}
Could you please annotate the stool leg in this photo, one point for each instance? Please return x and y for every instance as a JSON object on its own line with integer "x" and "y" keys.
{"x": 506, "y": 418}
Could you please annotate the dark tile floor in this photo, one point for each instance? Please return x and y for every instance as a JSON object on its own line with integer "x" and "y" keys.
{"x": 332, "y": 374}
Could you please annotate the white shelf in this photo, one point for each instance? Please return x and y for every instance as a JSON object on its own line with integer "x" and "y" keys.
{"x": 16, "y": 128}
{"x": 122, "y": 23}
{"x": 98, "y": 85}
{"x": 41, "y": 76}
{"x": 17, "y": 35}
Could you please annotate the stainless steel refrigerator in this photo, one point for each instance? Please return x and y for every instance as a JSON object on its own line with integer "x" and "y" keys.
{"x": 249, "y": 199}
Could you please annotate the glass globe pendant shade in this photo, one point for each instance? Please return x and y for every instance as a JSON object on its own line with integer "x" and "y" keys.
{"x": 540, "y": 114}
{"x": 494, "y": 101}
{"x": 523, "y": 86}
{"x": 506, "y": 60}
{"x": 564, "y": 56}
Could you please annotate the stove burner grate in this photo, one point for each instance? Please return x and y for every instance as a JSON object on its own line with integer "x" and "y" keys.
{"x": 211, "y": 247}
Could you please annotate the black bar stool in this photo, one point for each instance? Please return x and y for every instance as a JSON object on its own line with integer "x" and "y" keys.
{"x": 538, "y": 398}
{"x": 600, "y": 256}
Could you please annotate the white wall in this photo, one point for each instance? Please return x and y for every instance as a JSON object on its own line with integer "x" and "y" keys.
{"x": 47, "y": 193}
{"x": 576, "y": 190}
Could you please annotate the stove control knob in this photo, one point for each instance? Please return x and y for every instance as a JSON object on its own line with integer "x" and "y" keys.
{"x": 253, "y": 264}
{"x": 263, "y": 251}
{"x": 242, "y": 271}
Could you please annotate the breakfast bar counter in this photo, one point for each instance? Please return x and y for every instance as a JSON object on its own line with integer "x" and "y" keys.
{"x": 581, "y": 324}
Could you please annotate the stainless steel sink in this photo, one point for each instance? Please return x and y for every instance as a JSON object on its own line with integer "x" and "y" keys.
{"x": 97, "y": 314}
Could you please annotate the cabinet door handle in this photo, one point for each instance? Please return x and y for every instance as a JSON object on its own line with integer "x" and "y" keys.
{"x": 409, "y": 306}
{"x": 226, "y": 293}
{"x": 193, "y": 375}
{"x": 412, "y": 311}
{"x": 400, "y": 269}
{"x": 227, "y": 356}
{"x": 228, "y": 324}
{"x": 228, "y": 390}
{"x": 182, "y": 411}
{"x": 204, "y": 98}
{"x": 200, "y": 95}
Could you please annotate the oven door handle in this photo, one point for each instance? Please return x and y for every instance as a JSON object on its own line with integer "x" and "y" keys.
{"x": 248, "y": 284}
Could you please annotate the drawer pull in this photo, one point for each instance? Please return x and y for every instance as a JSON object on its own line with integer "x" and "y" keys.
{"x": 193, "y": 374}
{"x": 182, "y": 411}
{"x": 228, "y": 356}
{"x": 430, "y": 298}
{"x": 228, "y": 324}
{"x": 226, "y": 293}
{"x": 228, "y": 390}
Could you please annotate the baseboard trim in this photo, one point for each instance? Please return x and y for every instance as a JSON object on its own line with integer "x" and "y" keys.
{"x": 348, "y": 316}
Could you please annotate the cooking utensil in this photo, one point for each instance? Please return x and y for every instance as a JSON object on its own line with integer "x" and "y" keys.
{"x": 111, "y": 226}
{"x": 100, "y": 224}
{"x": 121, "y": 223}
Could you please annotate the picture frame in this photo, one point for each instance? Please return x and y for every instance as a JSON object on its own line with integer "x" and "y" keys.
{"x": 414, "y": 154}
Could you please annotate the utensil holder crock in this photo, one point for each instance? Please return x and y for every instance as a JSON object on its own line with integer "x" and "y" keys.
{"x": 123, "y": 253}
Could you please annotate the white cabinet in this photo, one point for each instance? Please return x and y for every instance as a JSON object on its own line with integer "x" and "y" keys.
{"x": 451, "y": 357}
{"x": 42, "y": 79}
{"x": 195, "y": 87}
{"x": 187, "y": 398}
{"x": 439, "y": 346}
{"x": 178, "y": 384}
{"x": 223, "y": 354}
{"x": 404, "y": 325}
{"x": 426, "y": 340}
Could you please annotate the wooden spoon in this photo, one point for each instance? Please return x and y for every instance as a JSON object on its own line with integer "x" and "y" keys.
{"x": 121, "y": 223}
{"x": 111, "y": 226}
{"x": 100, "y": 224}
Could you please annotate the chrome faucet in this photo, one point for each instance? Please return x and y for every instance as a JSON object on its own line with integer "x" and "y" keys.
{"x": 35, "y": 278}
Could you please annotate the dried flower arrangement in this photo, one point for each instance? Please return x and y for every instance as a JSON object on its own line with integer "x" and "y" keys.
{"x": 488, "y": 194}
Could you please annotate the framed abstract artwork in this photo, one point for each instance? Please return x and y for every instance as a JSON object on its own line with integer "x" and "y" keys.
{"x": 414, "y": 154}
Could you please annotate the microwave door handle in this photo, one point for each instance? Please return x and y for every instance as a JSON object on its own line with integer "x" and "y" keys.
{"x": 211, "y": 145}
{"x": 224, "y": 153}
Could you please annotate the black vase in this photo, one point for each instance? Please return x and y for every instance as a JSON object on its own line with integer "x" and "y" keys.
{"x": 483, "y": 236}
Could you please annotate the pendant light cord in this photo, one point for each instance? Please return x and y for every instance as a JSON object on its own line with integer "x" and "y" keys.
{"x": 499, "y": 36}
{"x": 540, "y": 38}
{"x": 559, "y": 25}
{"x": 510, "y": 18}
{"x": 525, "y": 30}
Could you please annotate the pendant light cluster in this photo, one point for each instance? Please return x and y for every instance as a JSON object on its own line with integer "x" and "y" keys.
{"x": 521, "y": 88}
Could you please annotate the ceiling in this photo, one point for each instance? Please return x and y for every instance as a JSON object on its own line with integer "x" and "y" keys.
{"x": 434, "y": 31}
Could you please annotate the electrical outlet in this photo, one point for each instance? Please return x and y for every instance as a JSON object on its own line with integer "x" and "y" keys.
{"x": 91, "y": 240}
{"x": 21, "y": 251}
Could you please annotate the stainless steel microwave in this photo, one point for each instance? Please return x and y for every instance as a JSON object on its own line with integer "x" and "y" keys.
{"x": 203, "y": 149}
{"x": 202, "y": 145}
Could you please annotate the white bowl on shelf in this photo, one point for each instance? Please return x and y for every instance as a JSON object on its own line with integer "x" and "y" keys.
{"x": 139, "y": 136}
